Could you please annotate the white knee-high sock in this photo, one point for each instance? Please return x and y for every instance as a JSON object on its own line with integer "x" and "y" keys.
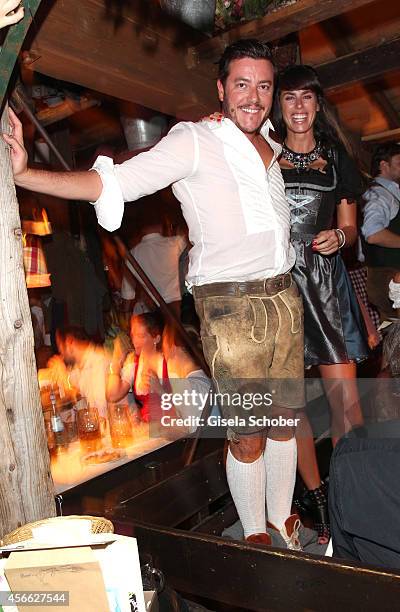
{"x": 247, "y": 485}
{"x": 280, "y": 463}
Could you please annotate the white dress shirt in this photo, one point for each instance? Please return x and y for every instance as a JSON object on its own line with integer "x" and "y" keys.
{"x": 159, "y": 257}
{"x": 235, "y": 208}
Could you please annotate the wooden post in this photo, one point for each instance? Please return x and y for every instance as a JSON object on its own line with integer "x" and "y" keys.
{"x": 26, "y": 486}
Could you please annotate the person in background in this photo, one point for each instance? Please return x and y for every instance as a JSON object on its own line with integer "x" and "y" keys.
{"x": 158, "y": 255}
{"x": 185, "y": 374}
{"x": 322, "y": 184}
{"x": 180, "y": 362}
{"x": 189, "y": 318}
{"x": 136, "y": 369}
{"x": 85, "y": 365}
{"x": 35, "y": 305}
{"x": 394, "y": 293}
{"x": 381, "y": 226}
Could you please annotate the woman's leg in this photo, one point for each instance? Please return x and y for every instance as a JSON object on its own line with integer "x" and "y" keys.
{"x": 308, "y": 469}
{"x": 306, "y": 456}
{"x": 340, "y": 385}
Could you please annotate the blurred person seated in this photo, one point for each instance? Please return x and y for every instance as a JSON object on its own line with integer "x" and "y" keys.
{"x": 82, "y": 365}
{"x": 158, "y": 255}
{"x": 185, "y": 377}
{"x": 138, "y": 368}
{"x": 181, "y": 364}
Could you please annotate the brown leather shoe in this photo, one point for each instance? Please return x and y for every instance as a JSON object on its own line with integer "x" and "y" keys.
{"x": 260, "y": 538}
{"x": 290, "y": 531}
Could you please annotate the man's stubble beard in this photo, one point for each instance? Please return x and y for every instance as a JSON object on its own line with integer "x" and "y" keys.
{"x": 232, "y": 116}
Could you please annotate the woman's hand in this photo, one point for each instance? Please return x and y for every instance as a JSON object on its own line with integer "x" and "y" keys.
{"x": 214, "y": 117}
{"x": 326, "y": 242}
{"x": 8, "y": 14}
{"x": 373, "y": 340}
{"x": 152, "y": 382}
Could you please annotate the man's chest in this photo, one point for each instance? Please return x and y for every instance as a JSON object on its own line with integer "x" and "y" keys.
{"x": 264, "y": 151}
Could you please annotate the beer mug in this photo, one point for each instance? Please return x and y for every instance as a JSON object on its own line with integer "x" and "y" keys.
{"x": 120, "y": 425}
{"x": 88, "y": 423}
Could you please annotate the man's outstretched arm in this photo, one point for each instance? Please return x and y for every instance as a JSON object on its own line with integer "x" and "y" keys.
{"x": 84, "y": 185}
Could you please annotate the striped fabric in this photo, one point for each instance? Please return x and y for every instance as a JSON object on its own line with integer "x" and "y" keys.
{"x": 358, "y": 278}
{"x": 36, "y": 274}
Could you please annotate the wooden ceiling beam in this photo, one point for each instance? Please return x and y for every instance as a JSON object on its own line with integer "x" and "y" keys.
{"x": 360, "y": 65}
{"x": 274, "y": 25}
{"x": 383, "y": 136}
{"x": 339, "y": 31}
{"x": 140, "y": 58}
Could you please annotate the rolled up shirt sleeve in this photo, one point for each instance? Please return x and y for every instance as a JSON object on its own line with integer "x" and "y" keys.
{"x": 377, "y": 212}
{"x": 110, "y": 205}
{"x": 169, "y": 161}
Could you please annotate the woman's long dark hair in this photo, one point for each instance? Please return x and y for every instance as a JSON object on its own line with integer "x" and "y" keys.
{"x": 327, "y": 129}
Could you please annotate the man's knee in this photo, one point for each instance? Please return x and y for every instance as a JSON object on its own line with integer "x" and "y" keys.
{"x": 284, "y": 422}
{"x": 247, "y": 448}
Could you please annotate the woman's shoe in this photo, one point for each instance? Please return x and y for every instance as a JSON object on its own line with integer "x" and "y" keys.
{"x": 315, "y": 504}
{"x": 317, "y": 500}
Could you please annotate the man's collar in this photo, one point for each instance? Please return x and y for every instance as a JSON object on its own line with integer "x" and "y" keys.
{"x": 393, "y": 186}
{"x": 264, "y": 131}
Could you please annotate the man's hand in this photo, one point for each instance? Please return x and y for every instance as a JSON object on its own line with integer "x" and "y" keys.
{"x": 81, "y": 185}
{"x": 58, "y": 371}
{"x": 8, "y": 14}
{"x": 19, "y": 156}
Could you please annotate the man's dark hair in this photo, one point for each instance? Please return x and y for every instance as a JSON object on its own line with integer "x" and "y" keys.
{"x": 383, "y": 152}
{"x": 246, "y": 47}
{"x": 72, "y": 331}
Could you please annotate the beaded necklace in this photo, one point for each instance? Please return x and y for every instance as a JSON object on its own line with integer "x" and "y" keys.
{"x": 301, "y": 161}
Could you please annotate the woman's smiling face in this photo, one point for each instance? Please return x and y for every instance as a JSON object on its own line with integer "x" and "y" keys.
{"x": 299, "y": 109}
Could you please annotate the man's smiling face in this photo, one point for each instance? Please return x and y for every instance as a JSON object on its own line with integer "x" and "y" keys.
{"x": 247, "y": 93}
